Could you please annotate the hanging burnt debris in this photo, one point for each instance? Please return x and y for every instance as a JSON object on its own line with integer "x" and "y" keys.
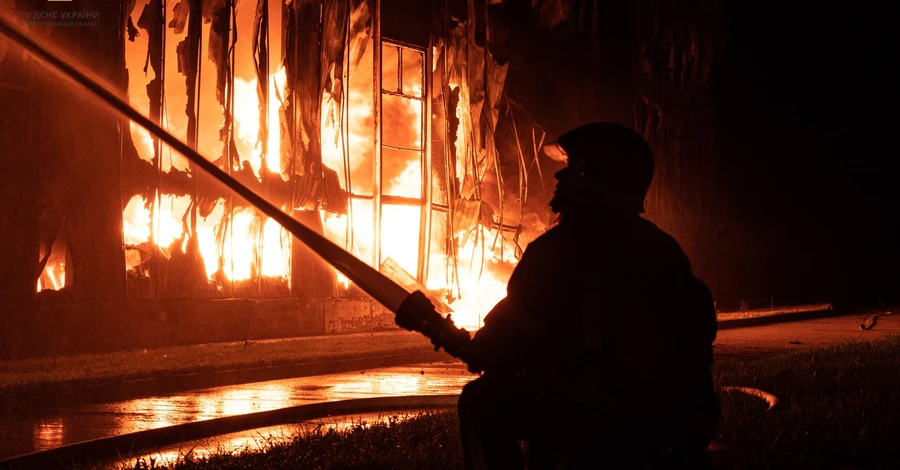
{"x": 388, "y": 170}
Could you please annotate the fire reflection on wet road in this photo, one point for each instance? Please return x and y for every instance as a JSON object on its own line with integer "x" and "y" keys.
{"x": 30, "y": 434}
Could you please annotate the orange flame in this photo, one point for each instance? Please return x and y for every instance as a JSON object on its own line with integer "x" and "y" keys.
{"x": 481, "y": 278}
{"x": 244, "y": 244}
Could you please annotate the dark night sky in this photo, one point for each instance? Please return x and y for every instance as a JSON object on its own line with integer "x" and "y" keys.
{"x": 807, "y": 104}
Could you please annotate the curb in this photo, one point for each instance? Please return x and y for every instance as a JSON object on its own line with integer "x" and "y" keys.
{"x": 776, "y": 315}
{"x": 133, "y": 444}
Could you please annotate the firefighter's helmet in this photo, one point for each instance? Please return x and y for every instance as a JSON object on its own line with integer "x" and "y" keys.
{"x": 608, "y": 164}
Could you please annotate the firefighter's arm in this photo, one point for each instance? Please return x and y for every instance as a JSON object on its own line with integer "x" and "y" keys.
{"x": 517, "y": 327}
{"x": 500, "y": 342}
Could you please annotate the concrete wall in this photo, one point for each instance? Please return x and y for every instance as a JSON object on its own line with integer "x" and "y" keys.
{"x": 347, "y": 315}
{"x": 59, "y": 325}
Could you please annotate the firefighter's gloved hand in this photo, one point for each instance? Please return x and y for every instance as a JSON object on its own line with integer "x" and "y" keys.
{"x": 474, "y": 365}
{"x": 415, "y": 310}
{"x": 417, "y": 313}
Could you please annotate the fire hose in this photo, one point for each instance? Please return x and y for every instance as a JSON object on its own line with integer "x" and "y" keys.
{"x": 412, "y": 311}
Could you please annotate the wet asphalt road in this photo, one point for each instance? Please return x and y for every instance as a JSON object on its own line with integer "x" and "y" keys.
{"x": 28, "y": 434}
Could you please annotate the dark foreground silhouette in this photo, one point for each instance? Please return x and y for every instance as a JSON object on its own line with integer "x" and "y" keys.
{"x": 600, "y": 355}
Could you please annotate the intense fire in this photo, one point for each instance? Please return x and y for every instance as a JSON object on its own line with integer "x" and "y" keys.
{"x": 236, "y": 243}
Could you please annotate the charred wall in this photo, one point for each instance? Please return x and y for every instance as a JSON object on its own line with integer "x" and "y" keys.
{"x": 19, "y": 180}
{"x": 62, "y": 185}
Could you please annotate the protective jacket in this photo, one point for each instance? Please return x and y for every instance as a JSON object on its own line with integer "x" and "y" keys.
{"x": 604, "y": 311}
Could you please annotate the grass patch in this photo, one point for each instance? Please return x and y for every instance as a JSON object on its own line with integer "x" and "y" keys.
{"x": 838, "y": 409}
{"x": 427, "y": 441}
{"x": 168, "y": 362}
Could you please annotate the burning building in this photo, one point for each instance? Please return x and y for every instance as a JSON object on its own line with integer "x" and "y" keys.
{"x": 407, "y": 132}
{"x": 371, "y": 122}
{"x": 334, "y": 111}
